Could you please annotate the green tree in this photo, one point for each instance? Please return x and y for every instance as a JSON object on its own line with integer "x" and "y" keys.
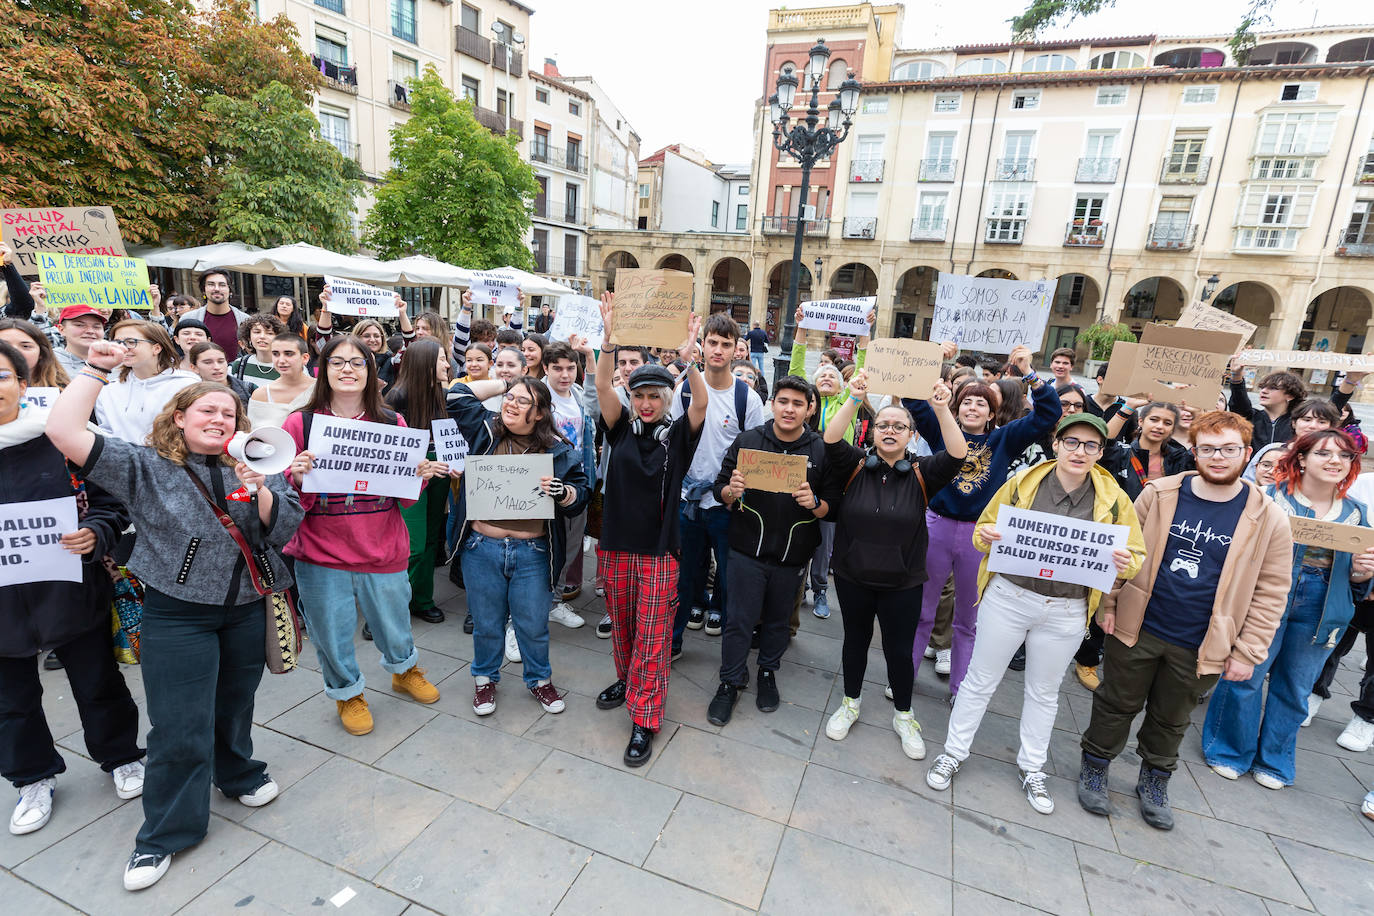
{"x": 456, "y": 192}
{"x": 1041, "y": 14}
{"x": 282, "y": 182}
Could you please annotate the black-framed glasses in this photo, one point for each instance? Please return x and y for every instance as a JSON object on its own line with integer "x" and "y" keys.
{"x": 130, "y": 343}
{"x": 1322, "y": 454}
{"x": 1073, "y": 443}
{"x": 1225, "y": 451}
{"x": 353, "y": 362}
{"x": 519, "y": 400}
{"x": 891, "y": 427}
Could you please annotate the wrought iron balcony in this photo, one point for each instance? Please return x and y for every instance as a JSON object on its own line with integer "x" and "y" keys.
{"x": 1185, "y": 169}
{"x": 347, "y": 148}
{"x": 787, "y": 225}
{"x": 938, "y": 169}
{"x": 1097, "y": 171}
{"x": 336, "y": 75}
{"x": 1170, "y": 237}
{"x": 1015, "y": 170}
{"x": 928, "y": 230}
{"x": 870, "y": 170}
{"x": 1085, "y": 234}
{"x": 397, "y": 95}
{"x": 576, "y": 215}
{"x": 473, "y": 44}
{"x": 860, "y": 227}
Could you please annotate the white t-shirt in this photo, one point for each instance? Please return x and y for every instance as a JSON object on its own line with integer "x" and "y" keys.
{"x": 567, "y": 416}
{"x": 719, "y": 430}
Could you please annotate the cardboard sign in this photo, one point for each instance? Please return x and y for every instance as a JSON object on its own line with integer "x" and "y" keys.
{"x": 1171, "y": 364}
{"x": 838, "y": 316}
{"x": 30, "y": 542}
{"x": 903, "y": 367}
{"x": 348, "y": 297}
{"x": 494, "y": 288}
{"x": 449, "y": 445}
{"x": 95, "y": 280}
{"x": 580, "y": 315}
{"x": 358, "y": 457}
{"x": 772, "y": 472}
{"x": 1206, "y": 318}
{"x": 1303, "y": 359}
{"x": 59, "y": 230}
{"x": 507, "y": 486}
{"x": 42, "y": 398}
{"x": 994, "y": 316}
{"x": 1042, "y": 545}
{"x": 1332, "y": 535}
{"x": 652, "y": 307}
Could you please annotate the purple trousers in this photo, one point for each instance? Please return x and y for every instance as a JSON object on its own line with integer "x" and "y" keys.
{"x": 951, "y": 550}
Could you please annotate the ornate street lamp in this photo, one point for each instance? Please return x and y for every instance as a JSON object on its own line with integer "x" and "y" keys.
{"x": 808, "y": 141}
{"x": 1210, "y": 287}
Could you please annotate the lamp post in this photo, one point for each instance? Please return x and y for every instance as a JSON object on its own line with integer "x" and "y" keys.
{"x": 1210, "y": 287}
{"x": 508, "y": 38}
{"x": 807, "y": 141}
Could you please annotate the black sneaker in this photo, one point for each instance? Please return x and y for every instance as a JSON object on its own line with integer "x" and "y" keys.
{"x": 695, "y": 618}
{"x": 714, "y": 624}
{"x": 367, "y": 633}
{"x": 675, "y": 653}
{"x": 145, "y": 870}
{"x": 603, "y": 629}
{"x": 1018, "y": 661}
{"x": 612, "y": 696}
{"x": 722, "y": 704}
{"x": 52, "y": 663}
{"x": 768, "y": 699}
{"x": 467, "y": 625}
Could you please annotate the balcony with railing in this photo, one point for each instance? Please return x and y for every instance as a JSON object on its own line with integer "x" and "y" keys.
{"x": 397, "y": 95}
{"x": 1170, "y": 236}
{"x": 928, "y": 230}
{"x": 1085, "y": 234}
{"x": 1015, "y": 170}
{"x": 574, "y": 214}
{"x": 558, "y": 157}
{"x": 1364, "y": 170}
{"x": 1355, "y": 245}
{"x": 499, "y": 54}
{"x": 866, "y": 170}
{"x": 1185, "y": 169}
{"x": 938, "y": 169}
{"x": 999, "y": 231}
{"x": 473, "y": 44}
{"x": 1097, "y": 171}
{"x": 346, "y": 147}
{"x": 860, "y": 227}
{"x": 787, "y": 225}
{"x": 336, "y": 76}
{"x": 495, "y": 121}
{"x": 560, "y": 267}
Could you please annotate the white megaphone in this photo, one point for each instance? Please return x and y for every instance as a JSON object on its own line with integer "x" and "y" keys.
{"x": 267, "y": 450}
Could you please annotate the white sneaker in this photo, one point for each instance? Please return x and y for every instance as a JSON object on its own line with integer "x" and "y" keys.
{"x": 909, "y": 730}
{"x": 1367, "y": 808}
{"x": 128, "y": 779}
{"x": 1224, "y": 772}
{"x": 563, "y": 613}
{"x": 603, "y": 629}
{"x": 145, "y": 870}
{"x": 941, "y": 772}
{"x": 1269, "y": 782}
{"x": 844, "y": 717}
{"x": 942, "y": 662}
{"x": 601, "y": 591}
{"x": 512, "y": 646}
{"x": 930, "y": 652}
{"x": 261, "y": 795}
{"x": 1037, "y": 792}
{"x": 887, "y": 691}
{"x": 34, "y": 807}
{"x": 1358, "y": 735}
{"x": 1314, "y": 703}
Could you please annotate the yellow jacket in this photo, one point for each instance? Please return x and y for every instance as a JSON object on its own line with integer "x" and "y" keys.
{"x": 1111, "y": 506}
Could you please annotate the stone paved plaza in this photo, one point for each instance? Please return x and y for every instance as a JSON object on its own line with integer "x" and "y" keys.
{"x": 528, "y": 813}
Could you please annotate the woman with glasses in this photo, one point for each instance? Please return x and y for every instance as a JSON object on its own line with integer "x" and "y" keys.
{"x": 1261, "y": 467}
{"x": 148, "y": 379}
{"x": 1247, "y": 731}
{"x": 352, "y": 550}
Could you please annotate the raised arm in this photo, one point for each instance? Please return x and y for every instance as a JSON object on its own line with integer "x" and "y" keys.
{"x": 701, "y": 398}
{"x": 955, "y": 443}
{"x": 21, "y": 302}
{"x": 66, "y": 427}
{"x": 1123, "y": 416}
{"x": 797, "y": 364}
{"x": 858, "y": 390}
{"x": 407, "y": 331}
{"x": 462, "y": 327}
{"x": 1239, "y": 402}
{"x": 605, "y": 367}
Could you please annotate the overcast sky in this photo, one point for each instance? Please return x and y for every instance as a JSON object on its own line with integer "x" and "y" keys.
{"x": 688, "y": 72}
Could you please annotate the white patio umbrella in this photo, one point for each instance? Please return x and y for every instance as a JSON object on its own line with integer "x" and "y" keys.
{"x": 422, "y": 270}
{"x": 199, "y": 258}
{"x": 533, "y": 284}
{"x": 305, "y": 260}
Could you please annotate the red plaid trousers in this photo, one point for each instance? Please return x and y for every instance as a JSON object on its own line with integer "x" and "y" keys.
{"x": 641, "y": 597}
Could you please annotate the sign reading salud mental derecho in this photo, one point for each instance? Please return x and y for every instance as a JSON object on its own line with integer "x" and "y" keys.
{"x": 994, "y": 316}
{"x": 59, "y": 230}
{"x": 365, "y": 459}
{"x": 31, "y": 542}
{"x": 349, "y": 297}
{"x": 1042, "y": 545}
{"x": 838, "y": 316}
{"x": 96, "y": 280}
{"x": 507, "y": 487}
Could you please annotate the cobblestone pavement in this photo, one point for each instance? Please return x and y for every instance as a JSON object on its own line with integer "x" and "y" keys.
{"x": 528, "y": 813}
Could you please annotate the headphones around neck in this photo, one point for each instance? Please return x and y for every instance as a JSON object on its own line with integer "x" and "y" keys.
{"x": 871, "y": 463}
{"x": 659, "y": 430}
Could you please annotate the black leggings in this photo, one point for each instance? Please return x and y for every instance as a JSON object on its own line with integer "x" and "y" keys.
{"x": 897, "y": 611}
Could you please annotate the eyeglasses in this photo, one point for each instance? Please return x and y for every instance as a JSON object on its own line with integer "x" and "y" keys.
{"x": 6, "y": 376}
{"x": 1071, "y": 406}
{"x": 891, "y": 427}
{"x": 1322, "y": 454}
{"x": 1073, "y": 444}
{"x": 130, "y": 343}
{"x": 519, "y": 400}
{"x": 1225, "y": 451}
{"x": 1266, "y": 465}
{"x": 354, "y": 362}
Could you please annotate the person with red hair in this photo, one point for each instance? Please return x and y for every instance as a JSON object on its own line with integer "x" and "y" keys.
{"x": 1244, "y": 731}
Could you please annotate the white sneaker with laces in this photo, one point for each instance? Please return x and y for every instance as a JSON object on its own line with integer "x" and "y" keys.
{"x": 145, "y": 870}
{"x": 844, "y": 717}
{"x": 512, "y": 646}
{"x": 1269, "y": 782}
{"x": 942, "y": 661}
{"x": 1224, "y": 772}
{"x": 1314, "y": 703}
{"x": 930, "y": 652}
{"x": 941, "y": 772}
{"x": 1037, "y": 792}
{"x": 261, "y": 795}
{"x": 1358, "y": 735}
{"x": 128, "y": 779}
{"x": 909, "y": 730}
{"x": 563, "y": 613}
{"x": 34, "y": 807}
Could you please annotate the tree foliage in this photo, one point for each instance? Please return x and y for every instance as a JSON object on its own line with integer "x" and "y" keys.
{"x": 1042, "y": 14}
{"x": 456, "y": 191}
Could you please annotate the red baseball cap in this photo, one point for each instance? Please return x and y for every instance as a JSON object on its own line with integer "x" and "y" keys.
{"x": 77, "y": 311}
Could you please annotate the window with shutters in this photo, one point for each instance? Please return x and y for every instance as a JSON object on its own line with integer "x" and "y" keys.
{"x": 1295, "y": 133}
{"x": 1008, "y": 211}
{"x": 1299, "y": 92}
{"x": 1271, "y": 216}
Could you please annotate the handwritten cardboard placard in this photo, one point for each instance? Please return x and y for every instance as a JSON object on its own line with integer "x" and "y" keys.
{"x": 580, "y": 315}
{"x": 95, "y": 280}
{"x": 30, "y": 541}
{"x": 507, "y": 486}
{"x": 1043, "y": 545}
{"x": 771, "y": 471}
{"x": 490, "y": 287}
{"x": 1212, "y": 341}
{"x": 1206, "y": 318}
{"x": 42, "y": 398}
{"x": 449, "y": 445}
{"x": 994, "y": 316}
{"x": 1305, "y": 359}
{"x": 1332, "y": 535}
{"x": 838, "y": 316}
{"x": 652, "y": 307}
{"x": 903, "y": 367}
{"x": 59, "y": 230}
{"x": 1171, "y": 364}
{"x": 349, "y": 297}
{"x": 359, "y": 457}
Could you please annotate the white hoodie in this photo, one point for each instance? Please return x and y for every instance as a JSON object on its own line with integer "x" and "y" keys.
{"x": 127, "y": 409}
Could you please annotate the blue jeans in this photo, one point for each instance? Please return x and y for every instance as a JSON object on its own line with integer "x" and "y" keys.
{"x": 508, "y": 577}
{"x": 331, "y": 599}
{"x": 1245, "y": 731}
{"x": 710, "y": 530}
{"x": 757, "y": 359}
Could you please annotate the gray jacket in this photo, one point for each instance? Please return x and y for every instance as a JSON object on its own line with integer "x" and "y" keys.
{"x": 182, "y": 550}
{"x": 199, "y": 314}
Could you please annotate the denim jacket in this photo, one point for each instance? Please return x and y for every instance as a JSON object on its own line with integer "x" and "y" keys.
{"x": 1339, "y": 606}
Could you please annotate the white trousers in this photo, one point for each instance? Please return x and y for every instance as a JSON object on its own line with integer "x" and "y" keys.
{"x": 1052, "y": 629}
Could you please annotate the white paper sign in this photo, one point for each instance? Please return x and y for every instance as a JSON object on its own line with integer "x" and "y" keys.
{"x": 449, "y": 445}
{"x": 348, "y": 297}
{"x": 995, "y": 316}
{"x": 1042, "y": 545}
{"x": 838, "y": 316}
{"x": 494, "y": 288}
{"x": 358, "y": 457}
{"x": 30, "y": 541}
{"x": 42, "y": 398}
{"x": 507, "y": 486}
{"x": 580, "y": 315}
